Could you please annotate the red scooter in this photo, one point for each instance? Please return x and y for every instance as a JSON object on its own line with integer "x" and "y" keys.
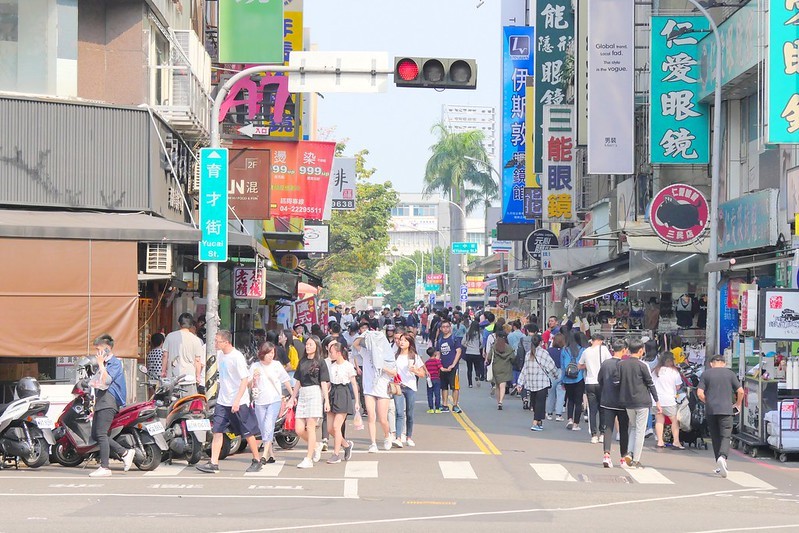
{"x": 135, "y": 426}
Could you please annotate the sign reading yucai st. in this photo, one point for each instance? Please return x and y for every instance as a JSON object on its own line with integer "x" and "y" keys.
{"x": 213, "y": 204}
{"x": 464, "y": 247}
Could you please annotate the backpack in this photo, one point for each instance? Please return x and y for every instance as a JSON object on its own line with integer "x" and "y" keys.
{"x": 572, "y": 370}
{"x": 518, "y": 361}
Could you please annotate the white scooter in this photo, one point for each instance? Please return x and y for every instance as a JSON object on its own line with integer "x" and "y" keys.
{"x": 25, "y": 431}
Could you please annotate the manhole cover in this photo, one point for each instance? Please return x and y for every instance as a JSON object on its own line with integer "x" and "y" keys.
{"x": 602, "y": 478}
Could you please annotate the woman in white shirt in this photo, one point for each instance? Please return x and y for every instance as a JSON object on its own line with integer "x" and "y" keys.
{"x": 266, "y": 378}
{"x": 343, "y": 400}
{"x": 667, "y": 381}
{"x": 409, "y": 367}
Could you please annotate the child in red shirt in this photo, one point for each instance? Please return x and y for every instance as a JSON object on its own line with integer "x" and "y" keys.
{"x": 433, "y": 366}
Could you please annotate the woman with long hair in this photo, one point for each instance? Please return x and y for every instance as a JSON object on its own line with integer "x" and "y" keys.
{"x": 667, "y": 382}
{"x": 378, "y": 371}
{"x": 501, "y": 359}
{"x": 311, "y": 391}
{"x": 286, "y": 340}
{"x": 536, "y": 376}
{"x": 471, "y": 344}
{"x": 267, "y": 377}
{"x": 573, "y": 377}
{"x": 343, "y": 400}
{"x": 409, "y": 368}
{"x": 556, "y": 397}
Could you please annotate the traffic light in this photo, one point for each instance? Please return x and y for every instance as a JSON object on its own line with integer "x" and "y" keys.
{"x": 435, "y": 72}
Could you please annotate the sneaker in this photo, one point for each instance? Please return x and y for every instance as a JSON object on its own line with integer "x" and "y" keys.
{"x": 255, "y": 466}
{"x": 549, "y": 416}
{"x": 722, "y": 463}
{"x": 324, "y": 445}
{"x": 334, "y": 459}
{"x": 438, "y": 411}
{"x": 559, "y": 418}
{"x": 317, "y": 453}
{"x": 602, "y": 439}
{"x": 594, "y": 440}
{"x": 456, "y": 409}
{"x": 649, "y": 433}
{"x": 127, "y": 459}
{"x": 622, "y": 462}
{"x": 470, "y": 385}
{"x": 618, "y": 437}
{"x": 396, "y": 443}
{"x": 431, "y": 411}
{"x": 387, "y": 444}
{"x": 208, "y": 468}
{"x": 101, "y": 472}
{"x": 607, "y": 462}
{"x": 445, "y": 409}
{"x": 305, "y": 463}
{"x": 404, "y": 439}
{"x": 536, "y": 427}
{"x": 499, "y": 407}
{"x": 372, "y": 448}
{"x": 576, "y": 428}
{"x": 637, "y": 464}
{"x": 717, "y": 471}
{"x": 569, "y": 424}
{"x": 585, "y": 418}
{"x": 627, "y": 459}
{"x": 410, "y": 443}
{"x": 348, "y": 451}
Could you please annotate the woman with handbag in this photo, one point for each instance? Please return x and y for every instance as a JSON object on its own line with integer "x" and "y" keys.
{"x": 266, "y": 377}
{"x": 536, "y": 376}
{"x": 500, "y": 357}
{"x": 379, "y": 370}
{"x": 343, "y": 400}
{"x": 409, "y": 368}
{"x": 573, "y": 377}
{"x": 311, "y": 389}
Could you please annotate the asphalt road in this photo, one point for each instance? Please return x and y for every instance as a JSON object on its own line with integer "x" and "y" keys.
{"x": 467, "y": 473}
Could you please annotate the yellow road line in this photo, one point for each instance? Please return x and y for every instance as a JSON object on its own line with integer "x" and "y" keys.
{"x": 490, "y": 445}
{"x": 472, "y": 434}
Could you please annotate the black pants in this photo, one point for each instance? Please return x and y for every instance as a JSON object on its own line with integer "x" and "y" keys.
{"x": 609, "y": 418}
{"x": 720, "y": 427}
{"x": 596, "y": 424}
{"x": 101, "y": 424}
{"x": 538, "y": 402}
{"x": 574, "y": 401}
{"x": 475, "y": 362}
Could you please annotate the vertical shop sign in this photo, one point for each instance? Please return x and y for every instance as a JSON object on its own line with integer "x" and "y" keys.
{"x": 249, "y": 283}
{"x": 783, "y": 72}
{"x": 555, "y": 37}
{"x": 248, "y": 185}
{"x": 728, "y": 319}
{"x": 306, "y": 311}
{"x": 533, "y": 194}
{"x": 559, "y": 183}
{"x": 342, "y": 184}
{"x": 611, "y": 103}
{"x": 213, "y": 204}
{"x": 679, "y": 124}
{"x": 250, "y": 32}
{"x": 517, "y": 65}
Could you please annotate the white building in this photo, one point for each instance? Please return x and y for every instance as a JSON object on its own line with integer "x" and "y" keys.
{"x": 463, "y": 118}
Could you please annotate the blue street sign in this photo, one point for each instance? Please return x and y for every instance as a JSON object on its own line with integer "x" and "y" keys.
{"x": 464, "y": 293}
{"x": 432, "y": 298}
{"x": 213, "y": 204}
{"x": 464, "y": 247}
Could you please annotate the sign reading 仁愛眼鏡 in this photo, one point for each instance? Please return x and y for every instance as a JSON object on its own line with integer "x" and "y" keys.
{"x": 213, "y": 204}
{"x": 783, "y": 72}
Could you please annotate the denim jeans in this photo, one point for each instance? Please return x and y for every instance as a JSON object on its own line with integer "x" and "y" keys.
{"x": 403, "y": 403}
{"x": 434, "y": 395}
{"x": 267, "y": 416}
{"x": 557, "y": 395}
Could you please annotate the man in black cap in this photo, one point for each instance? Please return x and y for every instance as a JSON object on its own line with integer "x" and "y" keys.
{"x": 716, "y": 389}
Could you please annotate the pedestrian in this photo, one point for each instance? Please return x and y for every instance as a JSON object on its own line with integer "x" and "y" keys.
{"x": 636, "y": 394}
{"x": 268, "y": 378}
{"x": 552, "y": 329}
{"x": 613, "y": 411}
{"x": 409, "y": 368}
{"x": 423, "y": 319}
{"x": 556, "y": 396}
{"x": 344, "y": 401}
{"x": 183, "y": 355}
{"x": 433, "y": 366}
{"x": 311, "y": 392}
{"x": 668, "y": 383}
{"x": 471, "y": 347}
{"x": 155, "y": 356}
{"x": 449, "y": 350}
{"x": 590, "y": 361}
{"x": 716, "y": 389}
{"x": 500, "y": 357}
{"x": 379, "y": 368}
{"x": 460, "y": 328}
{"x": 573, "y": 378}
{"x": 110, "y": 392}
{"x": 286, "y": 340}
{"x": 536, "y": 377}
{"x": 232, "y": 408}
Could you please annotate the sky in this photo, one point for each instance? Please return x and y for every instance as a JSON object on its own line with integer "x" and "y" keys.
{"x": 395, "y": 126}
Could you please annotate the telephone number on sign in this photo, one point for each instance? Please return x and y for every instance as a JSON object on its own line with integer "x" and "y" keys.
{"x": 300, "y": 209}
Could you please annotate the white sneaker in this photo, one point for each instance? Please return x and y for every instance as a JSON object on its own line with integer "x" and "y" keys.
{"x": 618, "y": 437}
{"x": 403, "y": 439}
{"x": 397, "y": 443}
{"x": 324, "y": 445}
{"x": 722, "y": 464}
{"x": 410, "y": 442}
{"x": 127, "y": 458}
{"x": 575, "y": 428}
{"x": 317, "y": 452}
{"x": 601, "y": 439}
{"x": 549, "y": 416}
{"x": 594, "y": 440}
{"x": 372, "y": 448}
{"x": 607, "y": 462}
{"x": 649, "y": 433}
{"x": 101, "y": 472}
{"x": 305, "y": 463}
{"x": 387, "y": 444}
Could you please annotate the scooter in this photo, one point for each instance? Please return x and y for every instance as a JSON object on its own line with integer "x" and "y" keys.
{"x": 185, "y": 418}
{"x": 25, "y": 431}
{"x": 135, "y": 426}
{"x": 233, "y": 443}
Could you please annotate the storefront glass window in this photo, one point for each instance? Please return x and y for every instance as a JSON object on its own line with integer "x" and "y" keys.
{"x": 673, "y": 272}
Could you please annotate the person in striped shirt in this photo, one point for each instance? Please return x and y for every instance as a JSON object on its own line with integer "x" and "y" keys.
{"x": 433, "y": 365}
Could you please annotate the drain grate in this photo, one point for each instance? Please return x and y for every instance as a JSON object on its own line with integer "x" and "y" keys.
{"x": 603, "y": 478}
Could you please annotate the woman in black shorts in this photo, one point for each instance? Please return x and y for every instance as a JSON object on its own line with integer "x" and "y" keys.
{"x": 343, "y": 400}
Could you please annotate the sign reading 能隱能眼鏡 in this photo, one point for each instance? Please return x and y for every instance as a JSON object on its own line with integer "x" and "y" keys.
{"x": 679, "y": 124}
{"x": 783, "y": 72}
{"x": 558, "y": 178}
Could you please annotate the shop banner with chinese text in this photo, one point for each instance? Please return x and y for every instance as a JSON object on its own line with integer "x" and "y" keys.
{"x": 679, "y": 124}
{"x": 783, "y": 72}
{"x": 305, "y": 311}
{"x": 249, "y": 283}
{"x": 558, "y": 178}
{"x": 517, "y": 65}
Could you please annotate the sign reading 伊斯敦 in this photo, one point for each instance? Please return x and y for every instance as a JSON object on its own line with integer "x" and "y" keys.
{"x": 679, "y": 214}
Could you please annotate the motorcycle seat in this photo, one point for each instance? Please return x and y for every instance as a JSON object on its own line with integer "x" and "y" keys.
{"x": 4, "y": 406}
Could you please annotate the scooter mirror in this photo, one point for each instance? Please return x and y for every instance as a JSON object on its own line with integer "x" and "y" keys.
{"x": 143, "y": 369}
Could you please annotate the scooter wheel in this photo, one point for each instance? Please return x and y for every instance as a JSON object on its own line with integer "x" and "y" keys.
{"x": 195, "y": 450}
{"x": 38, "y": 456}
{"x": 66, "y": 455}
{"x": 151, "y": 459}
{"x": 287, "y": 442}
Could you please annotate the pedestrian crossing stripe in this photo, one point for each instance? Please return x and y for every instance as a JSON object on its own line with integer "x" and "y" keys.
{"x": 552, "y": 472}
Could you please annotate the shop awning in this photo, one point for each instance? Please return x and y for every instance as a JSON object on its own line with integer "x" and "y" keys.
{"x": 592, "y": 288}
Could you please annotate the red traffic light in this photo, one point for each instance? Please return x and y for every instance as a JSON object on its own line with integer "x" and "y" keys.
{"x": 407, "y": 69}
{"x": 435, "y": 72}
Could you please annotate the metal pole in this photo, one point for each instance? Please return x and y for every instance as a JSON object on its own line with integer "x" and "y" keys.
{"x": 713, "y": 255}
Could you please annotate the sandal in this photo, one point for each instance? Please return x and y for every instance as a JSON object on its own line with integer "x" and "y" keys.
{"x": 660, "y": 446}
{"x": 678, "y": 447}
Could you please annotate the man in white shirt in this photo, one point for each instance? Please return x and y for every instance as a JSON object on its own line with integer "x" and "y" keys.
{"x": 183, "y": 354}
{"x": 232, "y": 408}
{"x": 591, "y": 360}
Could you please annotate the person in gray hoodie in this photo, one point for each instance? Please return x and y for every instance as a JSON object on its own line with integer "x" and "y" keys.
{"x": 636, "y": 394}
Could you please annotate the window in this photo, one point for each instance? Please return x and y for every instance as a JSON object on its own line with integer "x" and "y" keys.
{"x": 402, "y": 210}
{"x": 424, "y": 210}
{"x": 159, "y": 61}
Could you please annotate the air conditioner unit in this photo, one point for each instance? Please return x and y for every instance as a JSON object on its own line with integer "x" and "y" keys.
{"x": 159, "y": 258}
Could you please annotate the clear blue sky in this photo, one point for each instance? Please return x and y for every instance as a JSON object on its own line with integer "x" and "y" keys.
{"x": 395, "y": 126}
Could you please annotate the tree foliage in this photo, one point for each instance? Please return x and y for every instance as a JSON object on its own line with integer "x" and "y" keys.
{"x": 399, "y": 281}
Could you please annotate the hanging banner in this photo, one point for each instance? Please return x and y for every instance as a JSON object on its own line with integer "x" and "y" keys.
{"x": 342, "y": 184}
{"x": 305, "y": 311}
{"x": 249, "y": 283}
{"x": 533, "y": 194}
{"x": 783, "y": 72}
{"x": 248, "y": 184}
{"x": 559, "y": 182}
{"x": 679, "y": 125}
{"x": 250, "y": 32}
{"x": 555, "y": 22}
{"x": 517, "y": 65}
{"x": 611, "y": 96}
{"x": 679, "y": 214}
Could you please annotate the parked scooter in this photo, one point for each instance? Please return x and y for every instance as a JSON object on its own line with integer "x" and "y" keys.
{"x": 185, "y": 418}
{"x": 232, "y": 443}
{"x": 135, "y": 426}
{"x": 25, "y": 431}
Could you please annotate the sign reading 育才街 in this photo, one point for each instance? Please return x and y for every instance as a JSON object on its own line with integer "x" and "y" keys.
{"x": 517, "y": 65}
{"x": 783, "y": 72}
{"x": 213, "y": 204}
{"x": 679, "y": 124}
{"x": 679, "y": 214}
{"x": 250, "y": 32}
{"x": 558, "y": 178}
{"x": 611, "y": 89}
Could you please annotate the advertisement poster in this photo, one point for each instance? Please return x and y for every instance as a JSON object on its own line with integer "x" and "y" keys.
{"x": 324, "y": 314}
{"x": 250, "y": 32}
{"x": 248, "y": 184}
{"x": 728, "y": 319}
{"x": 559, "y": 177}
{"x": 779, "y": 314}
{"x": 305, "y": 311}
{"x": 342, "y": 184}
{"x": 679, "y": 214}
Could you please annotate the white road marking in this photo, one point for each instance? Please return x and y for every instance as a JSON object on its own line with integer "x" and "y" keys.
{"x": 269, "y": 470}
{"x": 755, "y": 528}
{"x": 552, "y": 472}
{"x": 457, "y": 470}
{"x": 361, "y": 469}
{"x": 165, "y": 470}
{"x": 748, "y": 480}
{"x": 648, "y": 476}
{"x": 275, "y": 487}
{"x": 351, "y": 488}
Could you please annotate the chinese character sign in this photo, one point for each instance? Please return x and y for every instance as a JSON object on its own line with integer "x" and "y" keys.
{"x": 783, "y": 72}
{"x": 213, "y": 202}
{"x": 679, "y": 214}
{"x": 517, "y": 65}
{"x": 250, "y": 31}
{"x": 249, "y": 283}
{"x": 342, "y": 184}
{"x": 679, "y": 127}
{"x": 306, "y": 312}
{"x": 558, "y": 179}
{"x": 554, "y": 38}
{"x": 248, "y": 185}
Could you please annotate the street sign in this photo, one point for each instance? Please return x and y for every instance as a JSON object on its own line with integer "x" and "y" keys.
{"x": 464, "y": 293}
{"x": 432, "y": 298}
{"x": 431, "y": 287}
{"x": 502, "y": 247}
{"x": 464, "y": 247}
{"x": 503, "y": 300}
{"x": 349, "y": 72}
{"x": 213, "y": 204}
{"x": 538, "y": 241}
